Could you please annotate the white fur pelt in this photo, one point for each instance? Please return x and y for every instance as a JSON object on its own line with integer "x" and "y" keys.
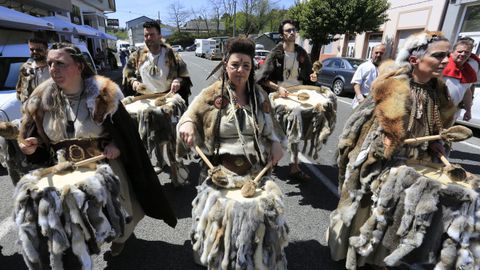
{"x": 312, "y": 124}
{"x": 404, "y": 206}
{"x": 80, "y": 216}
{"x": 232, "y": 234}
{"x": 157, "y": 128}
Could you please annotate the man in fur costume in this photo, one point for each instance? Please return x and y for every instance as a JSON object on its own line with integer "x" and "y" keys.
{"x": 34, "y": 71}
{"x": 461, "y": 74}
{"x": 286, "y": 65}
{"x": 156, "y": 67}
{"x": 77, "y": 108}
{"x": 408, "y": 100}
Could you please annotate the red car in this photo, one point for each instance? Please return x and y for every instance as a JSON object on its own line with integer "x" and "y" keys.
{"x": 260, "y": 56}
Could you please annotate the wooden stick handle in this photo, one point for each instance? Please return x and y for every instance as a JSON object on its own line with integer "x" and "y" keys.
{"x": 444, "y": 160}
{"x": 423, "y": 139}
{"x": 262, "y": 172}
{"x": 90, "y": 160}
{"x": 204, "y": 158}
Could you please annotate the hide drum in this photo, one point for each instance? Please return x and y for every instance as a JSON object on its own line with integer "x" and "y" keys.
{"x": 308, "y": 115}
{"x": 421, "y": 216}
{"x": 234, "y": 232}
{"x": 77, "y": 211}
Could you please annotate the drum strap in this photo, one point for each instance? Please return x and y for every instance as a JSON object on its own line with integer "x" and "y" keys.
{"x": 216, "y": 135}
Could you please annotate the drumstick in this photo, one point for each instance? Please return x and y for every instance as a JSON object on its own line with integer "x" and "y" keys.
{"x": 452, "y": 134}
{"x": 301, "y": 103}
{"x": 455, "y": 172}
{"x": 90, "y": 160}
{"x": 67, "y": 165}
{"x": 249, "y": 188}
{"x": 129, "y": 100}
{"x": 204, "y": 157}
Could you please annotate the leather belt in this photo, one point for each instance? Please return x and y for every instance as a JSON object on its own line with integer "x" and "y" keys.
{"x": 80, "y": 149}
{"x": 238, "y": 164}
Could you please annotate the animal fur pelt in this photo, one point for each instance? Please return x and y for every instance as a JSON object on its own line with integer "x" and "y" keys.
{"x": 231, "y": 234}
{"x": 406, "y": 207}
{"x": 103, "y": 96}
{"x": 157, "y": 129}
{"x": 80, "y": 217}
{"x": 312, "y": 125}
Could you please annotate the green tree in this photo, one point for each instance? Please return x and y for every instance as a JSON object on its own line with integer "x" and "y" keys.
{"x": 321, "y": 20}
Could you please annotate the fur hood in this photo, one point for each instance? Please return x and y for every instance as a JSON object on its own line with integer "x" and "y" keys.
{"x": 391, "y": 93}
{"x": 102, "y": 96}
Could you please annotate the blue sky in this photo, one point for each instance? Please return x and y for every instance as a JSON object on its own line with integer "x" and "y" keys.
{"x": 131, "y": 9}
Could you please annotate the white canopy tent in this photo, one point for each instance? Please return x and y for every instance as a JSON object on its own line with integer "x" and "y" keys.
{"x": 10, "y": 18}
{"x": 61, "y": 25}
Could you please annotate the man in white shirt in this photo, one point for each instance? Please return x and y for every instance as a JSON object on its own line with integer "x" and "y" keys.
{"x": 365, "y": 74}
{"x": 460, "y": 75}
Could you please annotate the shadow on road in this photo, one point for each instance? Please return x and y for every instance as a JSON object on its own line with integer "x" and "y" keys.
{"x": 142, "y": 254}
{"x": 313, "y": 256}
{"x": 14, "y": 261}
{"x": 313, "y": 192}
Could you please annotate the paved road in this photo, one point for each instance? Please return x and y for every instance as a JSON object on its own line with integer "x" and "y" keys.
{"x": 308, "y": 205}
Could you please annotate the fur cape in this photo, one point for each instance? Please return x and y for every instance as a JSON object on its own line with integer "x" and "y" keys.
{"x": 362, "y": 156}
{"x": 176, "y": 65}
{"x": 103, "y": 101}
{"x": 204, "y": 111}
{"x": 272, "y": 70}
{"x": 26, "y": 81}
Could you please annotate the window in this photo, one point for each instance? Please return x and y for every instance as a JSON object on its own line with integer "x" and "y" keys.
{"x": 335, "y": 63}
{"x": 471, "y": 22}
{"x": 76, "y": 15}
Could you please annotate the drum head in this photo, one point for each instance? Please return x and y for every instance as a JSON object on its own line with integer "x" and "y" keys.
{"x": 435, "y": 172}
{"x": 236, "y": 195}
{"x": 61, "y": 180}
{"x": 314, "y": 99}
{"x": 140, "y": 105}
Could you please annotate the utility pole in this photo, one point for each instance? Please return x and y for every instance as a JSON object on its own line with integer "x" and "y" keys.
{"x": 234, "y": 17}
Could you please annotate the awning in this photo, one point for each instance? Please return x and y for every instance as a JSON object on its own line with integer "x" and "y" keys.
{"x": 107, "y": 36}
{"x": 60, "y": 25}
{"x": 86, "y": 30}
{"x": 10, "y": 18}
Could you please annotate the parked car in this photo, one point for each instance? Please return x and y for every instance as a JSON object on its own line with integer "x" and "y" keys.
{"x": 213, "y": 54}
{"x": 260, "y": 56}
{"x": 475, "y": 121}
{"x": 177, "y": 48}
{"x": 11, "y": 59}
{"x": 337, "y": 73}
{"x": 191, "y": 48}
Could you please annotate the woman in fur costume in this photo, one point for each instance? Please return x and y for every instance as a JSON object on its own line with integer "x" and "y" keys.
{"x": 377, "y": 193}
{"x": 232, "y": 122}
{"x": 77, "y": 107}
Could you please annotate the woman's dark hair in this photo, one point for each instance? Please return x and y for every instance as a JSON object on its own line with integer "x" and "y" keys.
{"x": 244, "y": 46}
{"x": 292, "y": 22}
{"x": 77, "y": 56}
{"x": 153, "y": 24}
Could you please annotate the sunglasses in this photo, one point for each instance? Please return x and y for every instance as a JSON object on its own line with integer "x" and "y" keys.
{"x": 37, "y": 49}
{"x": 290, "y": 30}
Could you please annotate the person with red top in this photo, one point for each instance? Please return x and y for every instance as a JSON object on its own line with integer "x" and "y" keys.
{"x": 460, "y": 75}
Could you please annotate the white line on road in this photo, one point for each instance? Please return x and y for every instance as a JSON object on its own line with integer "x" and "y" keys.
{"x": 5, "y": 226}
{"x": 343, "y": 101}
{"x": 322, "y": 177}
{"x": 471, "y": 145}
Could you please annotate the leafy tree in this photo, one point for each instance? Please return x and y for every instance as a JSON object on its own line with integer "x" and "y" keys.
{"x": 321, "y": 20}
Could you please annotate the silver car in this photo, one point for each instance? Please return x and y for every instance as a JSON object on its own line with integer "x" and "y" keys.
{"x": 337, "y": 73}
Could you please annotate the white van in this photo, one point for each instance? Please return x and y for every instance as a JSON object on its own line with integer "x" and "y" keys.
{"x": 203, "y": 46}
{"x": 12, "y": 57}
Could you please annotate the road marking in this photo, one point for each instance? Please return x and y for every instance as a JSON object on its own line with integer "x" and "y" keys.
{"x": 5, "y": 226}
{"x": 471, "y": 145}
{"x": 319, "y": 175}
{"x": 343, "y": 101}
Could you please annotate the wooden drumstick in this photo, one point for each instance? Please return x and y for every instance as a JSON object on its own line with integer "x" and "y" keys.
{"x": 452, "y": 134}
{"x": 204, "y": 157}
{"x": 129, "y": 100}
{"x": 67, "y": 165}
{"x": 454, "y": 172}
{"x": 249, "y": 188}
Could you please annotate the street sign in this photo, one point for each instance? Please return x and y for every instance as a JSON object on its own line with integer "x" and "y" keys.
{"x": 112, "y": 22}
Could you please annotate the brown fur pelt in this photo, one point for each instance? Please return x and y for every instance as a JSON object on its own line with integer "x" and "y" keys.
{"x": 231, "y": 234}
{"x": 391, "y": 93}
{"x": 102, "y": 94}
{"x": 80, "y": 217}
